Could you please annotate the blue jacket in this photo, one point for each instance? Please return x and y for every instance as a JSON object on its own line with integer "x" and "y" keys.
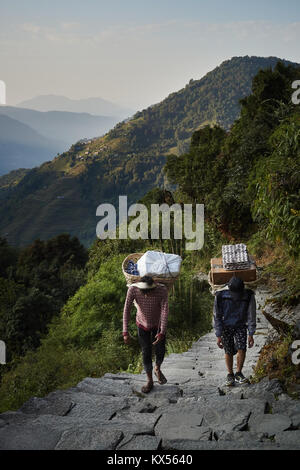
{"x": 234, "y": 313}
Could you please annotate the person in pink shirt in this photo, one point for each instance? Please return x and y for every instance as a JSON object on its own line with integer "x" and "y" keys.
{"x": 151, "y": 301}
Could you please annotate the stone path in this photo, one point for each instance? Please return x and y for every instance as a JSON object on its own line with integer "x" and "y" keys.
{"x": 193, "y": 411}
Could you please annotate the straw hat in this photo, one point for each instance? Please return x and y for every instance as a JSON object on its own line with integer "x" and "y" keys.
{"x": 146, "y": 282}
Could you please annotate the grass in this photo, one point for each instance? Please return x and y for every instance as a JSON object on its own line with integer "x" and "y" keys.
{"x": 281, "y": 273}
{"x": 275, "y": 362}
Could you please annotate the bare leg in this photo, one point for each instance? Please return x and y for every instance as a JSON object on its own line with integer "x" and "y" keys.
{"x": 240, "y": 359}
{"x": 149, "y": 385}
{"x": 145, "y": 343}
{"x": 161, "y": 378}
{"x": 229, "y": 363}
{"x": 149, "y": 376}
{"x": 160, "y": 349}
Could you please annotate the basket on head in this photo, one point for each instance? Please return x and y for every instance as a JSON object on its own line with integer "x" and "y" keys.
{"x": 131, "y": 278}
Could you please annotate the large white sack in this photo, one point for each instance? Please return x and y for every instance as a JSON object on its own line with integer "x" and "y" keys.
{"x": 157, "y": 263}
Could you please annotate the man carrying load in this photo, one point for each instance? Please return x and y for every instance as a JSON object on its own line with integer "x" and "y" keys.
{"x": 151, "y": 300}
{"x": 234, "y": 312}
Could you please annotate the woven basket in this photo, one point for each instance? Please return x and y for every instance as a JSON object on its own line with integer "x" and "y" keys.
{"x": 130, "y": 278}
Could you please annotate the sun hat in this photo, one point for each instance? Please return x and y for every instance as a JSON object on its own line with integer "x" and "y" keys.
{"x": 146, "y": 282}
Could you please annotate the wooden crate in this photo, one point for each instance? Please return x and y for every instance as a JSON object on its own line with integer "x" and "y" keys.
{"x": 219, "y": 275}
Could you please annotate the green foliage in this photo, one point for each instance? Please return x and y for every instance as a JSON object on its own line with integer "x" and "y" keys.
{"x": 39, "y": 280}
{"x": 102, "y": 250}
{"x": 97, "y": 306}
{"x": 45, "y": 370}
{"x": 8, "y": 257}
{"x": 11, "y": 179}
{"x": 179, "y": 344}
{"x": 277, "y": 203}
{"x": 10, "y": 294}
{"x": 86, "y": 339}
{"x": 62, "y": 195}
{"x": 47, "y": 257}
{"x": 190, "y": 303}
{"x": 275, "y": 362}
{"x": 198, "y": 172}
{"x": 249, "y": 178}
{"x": 65, "y": 316}
{"x": 287, "y": 269}
{"x": 27, "y": 322}
{"x": 60, "y": 363}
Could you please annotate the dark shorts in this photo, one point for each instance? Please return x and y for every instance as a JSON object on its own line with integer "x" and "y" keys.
{"x": 234, "y": 339}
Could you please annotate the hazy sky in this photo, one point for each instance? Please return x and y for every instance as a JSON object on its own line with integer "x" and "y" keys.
{"x": 134, "y": 52}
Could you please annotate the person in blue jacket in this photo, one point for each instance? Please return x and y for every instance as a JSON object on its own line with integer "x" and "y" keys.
{"x": 234, "y": 313}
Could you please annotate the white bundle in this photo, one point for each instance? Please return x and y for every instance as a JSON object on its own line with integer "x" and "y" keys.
{"x": 235, "y": 257}
{"x": 157, "y": 263}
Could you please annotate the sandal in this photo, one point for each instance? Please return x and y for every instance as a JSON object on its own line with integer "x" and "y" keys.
{"x": 160, "y": 377}
{"x": 147, "y": 388}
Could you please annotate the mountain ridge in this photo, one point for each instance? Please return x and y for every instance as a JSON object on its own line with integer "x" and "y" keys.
{"x": 57, "y": 130}
{"x": 129, "y": 159}
{"x": 22, "y": 146}
{"x": 93, "y": 105}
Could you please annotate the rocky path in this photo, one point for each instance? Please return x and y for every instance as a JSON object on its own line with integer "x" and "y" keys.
{"x": 192, "y": 411}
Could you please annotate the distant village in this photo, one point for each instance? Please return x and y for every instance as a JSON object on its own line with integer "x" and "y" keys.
{"x": 85, "y": 152}
{"x": 82, "y": 144}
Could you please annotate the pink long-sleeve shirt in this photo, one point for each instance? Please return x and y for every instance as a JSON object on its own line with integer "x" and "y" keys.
{"x": 152, "y": 308}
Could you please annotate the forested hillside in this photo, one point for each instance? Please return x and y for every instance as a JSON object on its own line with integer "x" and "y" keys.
{"x": 249, "y": 178}
{"x": 62, "y": 195}
{"x": 61, "y": 312}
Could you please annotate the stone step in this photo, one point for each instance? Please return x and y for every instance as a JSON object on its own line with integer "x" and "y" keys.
{"x": 194, "y": 410}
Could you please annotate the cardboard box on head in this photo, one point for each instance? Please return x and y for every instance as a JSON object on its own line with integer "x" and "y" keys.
{"x": 220, "y": 275}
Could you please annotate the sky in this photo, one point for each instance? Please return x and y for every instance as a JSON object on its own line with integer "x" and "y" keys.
{"x": 134, "y": 52}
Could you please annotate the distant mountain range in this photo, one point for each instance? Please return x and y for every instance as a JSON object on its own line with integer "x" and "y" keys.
{"x": 96, "y": 106}
{"x": 62, "y": 195}
{"x": 29, "y": 138}
{"x": 22, "y": 146}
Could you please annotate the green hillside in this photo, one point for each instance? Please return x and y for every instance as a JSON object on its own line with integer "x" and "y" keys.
{"x": 11, "y": 179}
{"x": 62, "y": 195}
{"x": 61, "y": 305}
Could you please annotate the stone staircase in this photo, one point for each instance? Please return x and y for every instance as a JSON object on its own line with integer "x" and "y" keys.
{"x": 193, "y": 411}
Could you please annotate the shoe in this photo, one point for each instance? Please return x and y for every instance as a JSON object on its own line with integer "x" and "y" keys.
{"x": 240, "y": 378}
{"x": 230, "y": 380}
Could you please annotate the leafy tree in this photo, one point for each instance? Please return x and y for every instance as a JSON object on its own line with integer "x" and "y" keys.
{"x": 27, "y": 322}
{"x": 218, "y": 169}
{"x": 42, "y": 278}
{"x": 8, "y": 258}
{"x": 277, "y": 184}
